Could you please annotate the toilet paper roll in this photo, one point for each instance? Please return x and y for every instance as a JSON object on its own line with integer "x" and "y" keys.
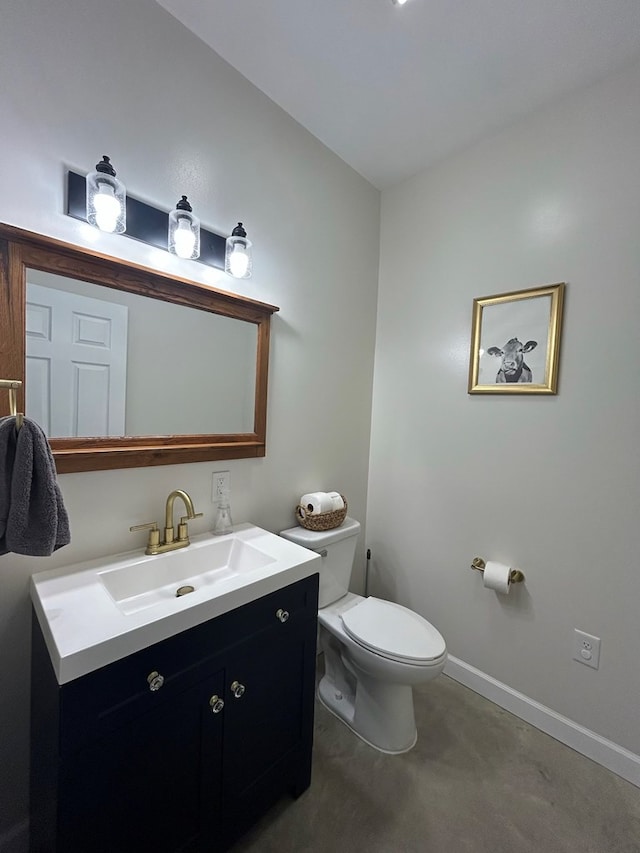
{"x": 496, "y": 576}
{"x": 316, "y": 502}
{"x": 336, "y": 499}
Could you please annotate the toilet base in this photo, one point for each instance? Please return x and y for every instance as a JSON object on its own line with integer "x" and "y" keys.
{"x": 344, "y": 707}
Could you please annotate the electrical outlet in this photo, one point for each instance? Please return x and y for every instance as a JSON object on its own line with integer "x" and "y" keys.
{"x": 221, "y": 486}
{"x": 586, "y": 648}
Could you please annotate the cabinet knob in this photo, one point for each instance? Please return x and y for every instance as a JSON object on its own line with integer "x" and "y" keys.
{"x": 155, "y": 681}
{"x": 217, "y": 704}
{"x": 237, "y": 689}
{"x": 282, "y": 615}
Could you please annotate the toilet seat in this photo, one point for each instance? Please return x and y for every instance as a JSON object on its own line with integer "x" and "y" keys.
{"x": 394, "y": 632}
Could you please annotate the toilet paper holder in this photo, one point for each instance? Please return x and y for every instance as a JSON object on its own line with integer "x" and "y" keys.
{"x": 516, "y": 575}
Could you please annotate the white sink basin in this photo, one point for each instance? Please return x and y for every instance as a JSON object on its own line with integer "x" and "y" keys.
{"x": 142, "y": 583}
{"x": 97, "y": 612}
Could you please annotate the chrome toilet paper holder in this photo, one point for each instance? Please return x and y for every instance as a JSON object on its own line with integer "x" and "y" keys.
{"x": 516, "y": 576}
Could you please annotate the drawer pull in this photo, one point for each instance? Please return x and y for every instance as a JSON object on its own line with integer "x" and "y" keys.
{"x": 282, "y": 615}
{"x": 237, "y": 689}
{"x": 155, "y": 681}
{"x": 217, "y": 704}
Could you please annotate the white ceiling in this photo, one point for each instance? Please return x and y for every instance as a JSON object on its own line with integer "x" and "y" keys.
{"x": 391, "y": 89}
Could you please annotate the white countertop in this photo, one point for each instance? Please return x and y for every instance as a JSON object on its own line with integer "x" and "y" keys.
{"x": 85, "y": 629}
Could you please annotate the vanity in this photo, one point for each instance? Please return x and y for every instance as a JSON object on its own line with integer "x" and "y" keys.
{"x": 171, "y": 722}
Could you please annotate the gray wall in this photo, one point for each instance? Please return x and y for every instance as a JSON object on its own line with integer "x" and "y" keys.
{"x": 551, "y": 484}
{"x": 88, "y": 77}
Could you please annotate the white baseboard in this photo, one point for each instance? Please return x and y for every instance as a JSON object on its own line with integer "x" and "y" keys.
{"x": 604, "y": 752}
{"x": 16, "y": 839}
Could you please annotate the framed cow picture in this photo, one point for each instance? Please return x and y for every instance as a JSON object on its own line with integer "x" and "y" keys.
{"x": 515, "y": 342}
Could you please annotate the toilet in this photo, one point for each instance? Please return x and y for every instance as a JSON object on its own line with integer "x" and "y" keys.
{"x": 374, "y": 650}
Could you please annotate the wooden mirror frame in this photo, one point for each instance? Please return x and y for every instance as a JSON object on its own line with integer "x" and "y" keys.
{"x": 21, "y": 250}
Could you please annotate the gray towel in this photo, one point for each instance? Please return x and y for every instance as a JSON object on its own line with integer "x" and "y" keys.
{"x": 7, "y": 454}
{"x": 33, "y": 519}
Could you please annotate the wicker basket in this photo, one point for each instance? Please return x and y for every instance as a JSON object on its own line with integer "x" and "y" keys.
{"x": 323, "y": 520}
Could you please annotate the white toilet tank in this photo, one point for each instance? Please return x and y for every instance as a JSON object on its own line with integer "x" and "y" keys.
{"x": 335, "y": 568}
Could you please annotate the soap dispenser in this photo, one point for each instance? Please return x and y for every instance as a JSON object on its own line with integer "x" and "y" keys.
{"x": 223, "y": 522}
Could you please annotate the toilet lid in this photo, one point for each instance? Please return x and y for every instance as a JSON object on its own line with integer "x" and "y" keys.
{"x": 394, "y": 631}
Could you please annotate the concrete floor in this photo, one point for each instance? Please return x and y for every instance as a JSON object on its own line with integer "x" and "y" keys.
{"x": 479, "y": 780}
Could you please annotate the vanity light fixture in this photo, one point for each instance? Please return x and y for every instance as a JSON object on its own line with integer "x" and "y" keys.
{"x": 237, "y": 257}
{"x": 398, "y": 2}
{"x": 151, "y": 225}
{"x": 106, "y": 199}
{"x": 184, "y": 231}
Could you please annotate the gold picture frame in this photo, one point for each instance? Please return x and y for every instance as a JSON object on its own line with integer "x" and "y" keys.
{"x": 510, "y": 327}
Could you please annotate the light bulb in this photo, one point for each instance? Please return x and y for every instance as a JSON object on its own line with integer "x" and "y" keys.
{"x": 238, "y": 261}
{"x": 184, "y": 231}
{"x": 107, "y": 207}
{"x": 237, "y": 254}
{"x": 106, "y": 199}
{"x": 184, "y": 238}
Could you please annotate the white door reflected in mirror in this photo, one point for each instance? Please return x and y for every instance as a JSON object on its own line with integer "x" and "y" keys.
{"x": 77, "y": 357}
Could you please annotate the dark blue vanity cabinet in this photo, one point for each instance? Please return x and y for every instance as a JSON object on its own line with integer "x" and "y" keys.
{"x": 119, "y": 767}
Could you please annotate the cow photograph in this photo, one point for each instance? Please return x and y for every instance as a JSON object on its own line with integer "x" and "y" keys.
{"x": 512, "y": 366}
{"x": 515, "y": 342}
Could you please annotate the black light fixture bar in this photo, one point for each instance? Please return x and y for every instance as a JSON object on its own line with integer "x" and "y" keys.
{"x": 145, "y": 223}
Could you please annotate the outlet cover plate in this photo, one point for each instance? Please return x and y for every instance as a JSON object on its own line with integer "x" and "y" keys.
{"x": 586, "y": 648}
{"x": 221, "y": 486}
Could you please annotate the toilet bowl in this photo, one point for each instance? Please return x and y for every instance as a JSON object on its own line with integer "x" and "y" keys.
{"x": 375, "y": 650}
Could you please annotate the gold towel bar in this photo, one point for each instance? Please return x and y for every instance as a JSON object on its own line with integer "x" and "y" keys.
{"x": 12, "y": 385}
{"x": 516, "y": 575}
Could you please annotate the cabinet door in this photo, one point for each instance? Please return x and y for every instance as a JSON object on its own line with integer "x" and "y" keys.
{"x": 268, "y": 722}
{"x": 141, "y": 787}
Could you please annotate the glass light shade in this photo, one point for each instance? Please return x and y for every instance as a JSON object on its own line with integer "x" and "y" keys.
{"x": 237, "y": 257}
{"x": 184, "y": 231}
{"x": 106, "y": 199}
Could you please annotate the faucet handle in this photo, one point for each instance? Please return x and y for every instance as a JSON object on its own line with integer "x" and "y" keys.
{"x": 183, "y": 529}
{"x": 150, "y": 525}
{"x": 154, "y": 533}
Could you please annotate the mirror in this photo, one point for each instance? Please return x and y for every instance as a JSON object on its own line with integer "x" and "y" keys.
{"x": 105, "y": 362}
{"x": 125, "y": 366}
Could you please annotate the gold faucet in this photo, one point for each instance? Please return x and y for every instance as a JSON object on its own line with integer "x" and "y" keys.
{"x": 171, "y": 542}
